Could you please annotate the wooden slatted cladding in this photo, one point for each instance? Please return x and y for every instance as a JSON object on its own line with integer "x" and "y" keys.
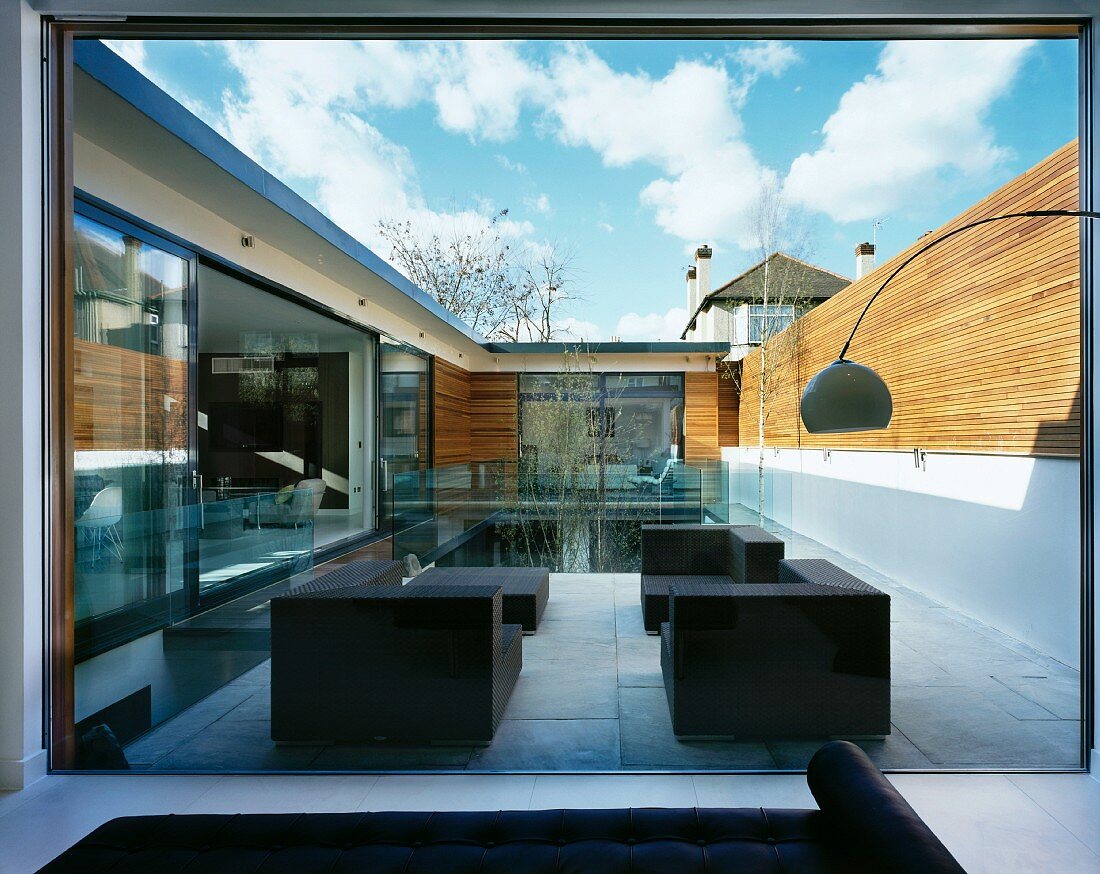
{"x": 729, "y": 404}
{"x": 450, "y": 413}
{"x": 701, "y": 417}
{"x": 978, "y": 339}
{"x": 494, "y": 416}
{"x": 118, "y": 399}
{"x": 475, "y": 416}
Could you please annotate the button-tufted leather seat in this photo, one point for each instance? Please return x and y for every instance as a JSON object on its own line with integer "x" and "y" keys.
{"x": 864, "y": 825}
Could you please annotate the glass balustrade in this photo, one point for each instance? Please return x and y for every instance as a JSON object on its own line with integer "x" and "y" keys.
{"x": 582, "y": 517}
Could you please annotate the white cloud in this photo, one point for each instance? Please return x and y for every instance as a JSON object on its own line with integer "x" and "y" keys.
{"x": 480, "y": 87}
{"x": 508, "y": 164}
{"x": 769, "y": 58}
{"x": 306, "y": 109}
{"x": 685, "y": 124}
{"x": 133, "y": 52}
{"x": 654, "y": 326}
{"x": 293, "y": 114}
{"x": 570, "y": 328}
{"x": 904, "y": 135}
{"x": 540, "y": 204}
{"x": 302, "y": 111}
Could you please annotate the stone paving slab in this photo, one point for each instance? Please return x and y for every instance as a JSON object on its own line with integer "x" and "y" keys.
{"x": 591, "y": 698}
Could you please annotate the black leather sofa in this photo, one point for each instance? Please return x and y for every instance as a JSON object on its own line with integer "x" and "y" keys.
{"x": 863, "y": 825}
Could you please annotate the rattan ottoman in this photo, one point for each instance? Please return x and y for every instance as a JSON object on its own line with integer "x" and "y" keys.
{"x": 526, "y": 589}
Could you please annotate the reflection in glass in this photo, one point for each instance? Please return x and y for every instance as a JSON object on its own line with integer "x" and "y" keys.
{"x": 130, "y": 421}
{"x": 403, "y": 436}
{"x": 282, "y": 395}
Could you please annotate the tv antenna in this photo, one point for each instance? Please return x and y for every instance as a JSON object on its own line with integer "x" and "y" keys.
{"x": 875, "y": 225}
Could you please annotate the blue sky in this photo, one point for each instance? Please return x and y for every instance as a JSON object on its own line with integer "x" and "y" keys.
{"x": 631, "y": 153}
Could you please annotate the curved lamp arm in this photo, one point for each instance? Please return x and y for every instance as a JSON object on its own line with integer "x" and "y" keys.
{"x": 847, "y": 396}
{"x": 1033, "y": 213}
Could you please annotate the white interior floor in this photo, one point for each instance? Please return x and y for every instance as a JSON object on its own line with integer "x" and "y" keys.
{"x": 997, "y": 824}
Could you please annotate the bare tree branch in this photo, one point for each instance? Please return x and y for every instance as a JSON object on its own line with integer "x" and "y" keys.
{"x": 498, "y": 292}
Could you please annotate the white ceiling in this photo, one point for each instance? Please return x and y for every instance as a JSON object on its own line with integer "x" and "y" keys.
{"x": 227, "y": 308}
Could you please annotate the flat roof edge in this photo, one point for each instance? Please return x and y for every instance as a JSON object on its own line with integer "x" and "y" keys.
{"x": 620, "y": 348}
{"x": 162, "y": 109}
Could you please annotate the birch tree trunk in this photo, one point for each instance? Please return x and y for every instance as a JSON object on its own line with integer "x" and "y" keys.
{"x": 764, "y": 321}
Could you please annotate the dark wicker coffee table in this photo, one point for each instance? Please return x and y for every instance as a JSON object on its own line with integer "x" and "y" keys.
{"x": 526, "y": 589}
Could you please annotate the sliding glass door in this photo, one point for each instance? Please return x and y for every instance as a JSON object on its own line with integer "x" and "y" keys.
{"x": 222, "y": 434}
{"x": 403, "y": 436}
{"x": 282, "y": 395}
{"x": 132, "y": 438}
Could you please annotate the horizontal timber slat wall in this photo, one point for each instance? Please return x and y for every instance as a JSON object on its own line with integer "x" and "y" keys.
{"x": 701, "y": 417}
{"x": 475, "y": 415}
{"x": 978, "y": 339}
{"x": 729, "y": 405}
{"x": 118, "y": 399}
{"x": 494, "y": 416}
{"x": 450, "y": 414}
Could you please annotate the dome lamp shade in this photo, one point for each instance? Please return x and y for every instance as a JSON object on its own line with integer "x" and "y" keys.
{"x": 846, "y": 397}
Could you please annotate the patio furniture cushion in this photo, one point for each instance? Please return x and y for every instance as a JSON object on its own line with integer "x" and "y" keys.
{"x": 754, "y": 555}
{"x": 686, "y": 549}
{"x": 863, "y": 825}
{"x": 655, "y": 595}
{"x": 367, "y": 572}
{"x": 526, "y": 589}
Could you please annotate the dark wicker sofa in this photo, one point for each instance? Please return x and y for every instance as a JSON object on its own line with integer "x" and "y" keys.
{"x": 863, "y": 825}
{"x": 808, "y": 656}
{"x": 702, "y": 554}
{"x": 353, "y": 665}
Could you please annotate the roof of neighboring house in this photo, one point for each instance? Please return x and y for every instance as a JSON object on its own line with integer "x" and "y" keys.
{"x": 814, "y": 283}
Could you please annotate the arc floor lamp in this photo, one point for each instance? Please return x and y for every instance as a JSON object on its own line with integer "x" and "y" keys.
{"x": 847, "y": 396}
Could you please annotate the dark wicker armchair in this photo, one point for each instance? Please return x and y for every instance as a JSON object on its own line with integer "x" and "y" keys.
{"x": 431, "y": 663}
{"x": 702, "y": 554}
{"x": 806, "y": 657}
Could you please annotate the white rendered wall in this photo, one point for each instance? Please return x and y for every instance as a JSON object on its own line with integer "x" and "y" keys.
{"x": 995, "y": 537}
{"x": 22, "y": 757}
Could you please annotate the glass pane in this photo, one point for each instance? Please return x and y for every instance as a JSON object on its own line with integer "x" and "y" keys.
{"x": 615, "y": 382}
{"x": 282, "y": 395}
{"x": 253, "y": 540}
{"x": 403, "y": 435}
{"x": 558, "y": 383}
{"x": 644, "y": 432}
{"x": 130, "y": 423}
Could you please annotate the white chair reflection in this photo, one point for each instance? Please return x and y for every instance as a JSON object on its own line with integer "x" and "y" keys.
{"x": 100, "y": 523}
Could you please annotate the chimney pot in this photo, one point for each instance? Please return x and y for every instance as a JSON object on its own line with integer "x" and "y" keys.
{"x": 692, "y": 294}
{"x": 704, "y": 324}
{"x": 865, "y": 259}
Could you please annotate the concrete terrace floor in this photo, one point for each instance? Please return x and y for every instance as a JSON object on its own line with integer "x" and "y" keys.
{"x": 590, "y": 698}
